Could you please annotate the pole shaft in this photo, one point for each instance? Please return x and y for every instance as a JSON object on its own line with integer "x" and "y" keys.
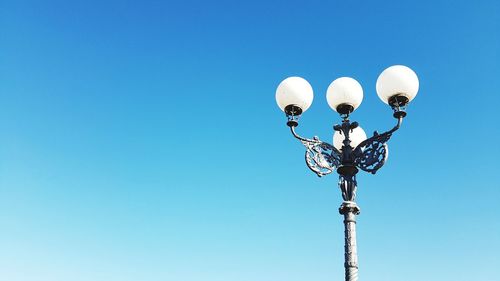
{"x": 350, "y": 210}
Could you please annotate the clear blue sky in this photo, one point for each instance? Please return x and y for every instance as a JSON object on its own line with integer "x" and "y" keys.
{"x": 140, "y": 140}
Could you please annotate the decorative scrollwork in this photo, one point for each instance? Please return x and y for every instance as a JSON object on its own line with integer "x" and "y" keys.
{"x": 322, "y": 158}
{"x": 348, "y": 186}
{"x": 373, "y": 152}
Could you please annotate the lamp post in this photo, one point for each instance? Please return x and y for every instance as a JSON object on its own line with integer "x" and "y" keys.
{"x": 351, "y": 149}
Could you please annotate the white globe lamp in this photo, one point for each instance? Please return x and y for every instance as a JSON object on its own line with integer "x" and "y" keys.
{"x": 344, "y": 95}
{"x": 397, "y": 82}
{"x": 294, "y": 95}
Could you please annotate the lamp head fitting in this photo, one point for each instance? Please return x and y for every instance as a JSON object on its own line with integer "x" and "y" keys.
{"x": 344, "y": 109}
{"x": 398, "y": 103}
{"x": 293, "y": 113}
{"x": 293, "y": 110}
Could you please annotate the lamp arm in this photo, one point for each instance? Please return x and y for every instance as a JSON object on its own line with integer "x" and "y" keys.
{"x": 295, "y": 135}
{"x": 322, "y": 158}
{"x": 371, "y": 154}
{"x": 398, "y": 125}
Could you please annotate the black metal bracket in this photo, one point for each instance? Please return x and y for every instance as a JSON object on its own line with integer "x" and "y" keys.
{"x": 371, "y": 154}
{"x": 323, "y": 158}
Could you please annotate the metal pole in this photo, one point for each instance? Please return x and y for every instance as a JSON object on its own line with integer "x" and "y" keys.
{"x": 350, "y": 209}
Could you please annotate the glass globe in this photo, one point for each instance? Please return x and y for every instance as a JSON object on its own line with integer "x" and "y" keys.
{"x": 356, "y": 136}
{"x": 397, "y": 80}
{"x": 344, "y": 90}
{"x": 294, "y": 91}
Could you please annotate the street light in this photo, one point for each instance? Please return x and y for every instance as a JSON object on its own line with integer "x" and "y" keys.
{"x": 351, "y": 149}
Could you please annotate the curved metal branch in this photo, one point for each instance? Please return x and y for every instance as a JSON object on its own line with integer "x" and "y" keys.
{"x": 292, "y": 129}
{"x": 372, "y": 153}
{"x": 398, "y": 125}
{"x": 321, "y": 157}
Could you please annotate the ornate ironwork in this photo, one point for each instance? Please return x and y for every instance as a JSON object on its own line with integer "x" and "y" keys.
{"x": 322, "y": 158}
{"x": 348, "y": 186}
{"x": 371, "y": 154}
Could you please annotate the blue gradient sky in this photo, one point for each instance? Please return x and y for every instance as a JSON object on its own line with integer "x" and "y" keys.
{"x": 140, "y": 140}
